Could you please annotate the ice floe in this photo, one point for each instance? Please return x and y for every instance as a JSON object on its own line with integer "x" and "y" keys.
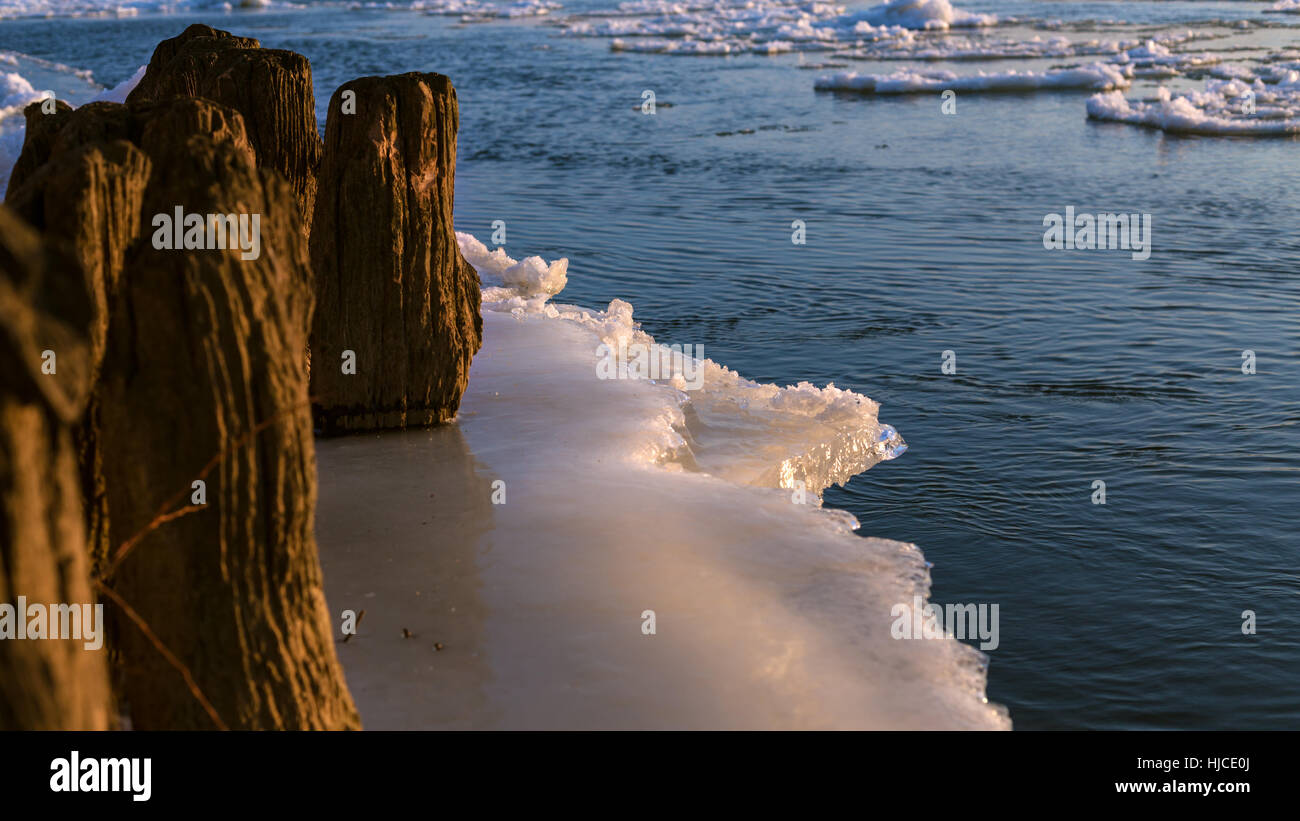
{"x": 1095, "y": 76}
{"x": 767, "y": 26}
{"x": 469, "y": 9}
{"x": 1224, "y": 108}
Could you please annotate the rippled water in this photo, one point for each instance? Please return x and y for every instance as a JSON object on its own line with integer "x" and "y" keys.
{"x": 924, "y": 234}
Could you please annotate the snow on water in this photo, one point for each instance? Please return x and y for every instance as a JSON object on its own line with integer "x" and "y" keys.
{"x": 469, "y": 9}
{"x": 82, "y": 8}
{"x": 924, "y": 31}
{"x": 629, "y": 495}
{"x": 929, "y": 15}
{"x": 10, "y": 9}
{"x": 1230, "y": 107}
{"x": 66, "y": 8}
{"x": 937, "y": 31}
{"x": 1097, "y": 76}
{"x": 475, "y": 10}
{"x": 1152, "y": 59}
{"x": 929, "y": 30}
{"x": 993, "y": 47}
{"x": 767, "y": 26}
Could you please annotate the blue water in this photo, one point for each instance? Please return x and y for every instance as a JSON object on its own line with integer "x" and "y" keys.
{"x": 924, "y": 234}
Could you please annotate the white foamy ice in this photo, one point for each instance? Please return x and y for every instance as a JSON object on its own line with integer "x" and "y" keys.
{"x": 509, "y": 279}
{"x": 629, "y": 495}
{"x": 926, "y": 15}
{"x": 16, "y": 93}
{"x": 1233, "y": 72}
{"x": 1093, "y": 76}
{"x": 477, "y": 10}
{"x": 767, "y": 26}
{"x": 1223, "y": 108}
{"x": 116, "y": 8}
{"x": 67, "y": 8}
{"x": 986, "y": 46}
{"x": 134, "y": 8}
{"x": 723, "y": 27}
{"x": 980, "y": 48}
{"x": 1154, "y": 59}
{"x": 707, "y": 47}
{"x": 820, "y": 436}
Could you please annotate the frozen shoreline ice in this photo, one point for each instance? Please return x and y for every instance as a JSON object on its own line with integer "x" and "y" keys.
{"x": 744, "y": 431}
{"x": 769, "y": 614}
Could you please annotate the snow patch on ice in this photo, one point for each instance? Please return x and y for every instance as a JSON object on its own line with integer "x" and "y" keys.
{"x": 1096, "y": 76}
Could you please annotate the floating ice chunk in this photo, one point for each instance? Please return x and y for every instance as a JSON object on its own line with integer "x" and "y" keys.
{"x": 470, "y": 10}
{"x": 985, "y": 46}
{"x": 731, "y": 27}
{"x": 1232, "y": 72}
{"x": 123, "y": 8}
{"x": 920, "y": 14}
{"x": 1226, "y": 107}
{"x": 75, "y": 8}
{"x": 1096, "y": 76}
{"x": 1153, "y": 59}
{"x": 654, "y": 45}
{"x": 1148, "y": 50}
